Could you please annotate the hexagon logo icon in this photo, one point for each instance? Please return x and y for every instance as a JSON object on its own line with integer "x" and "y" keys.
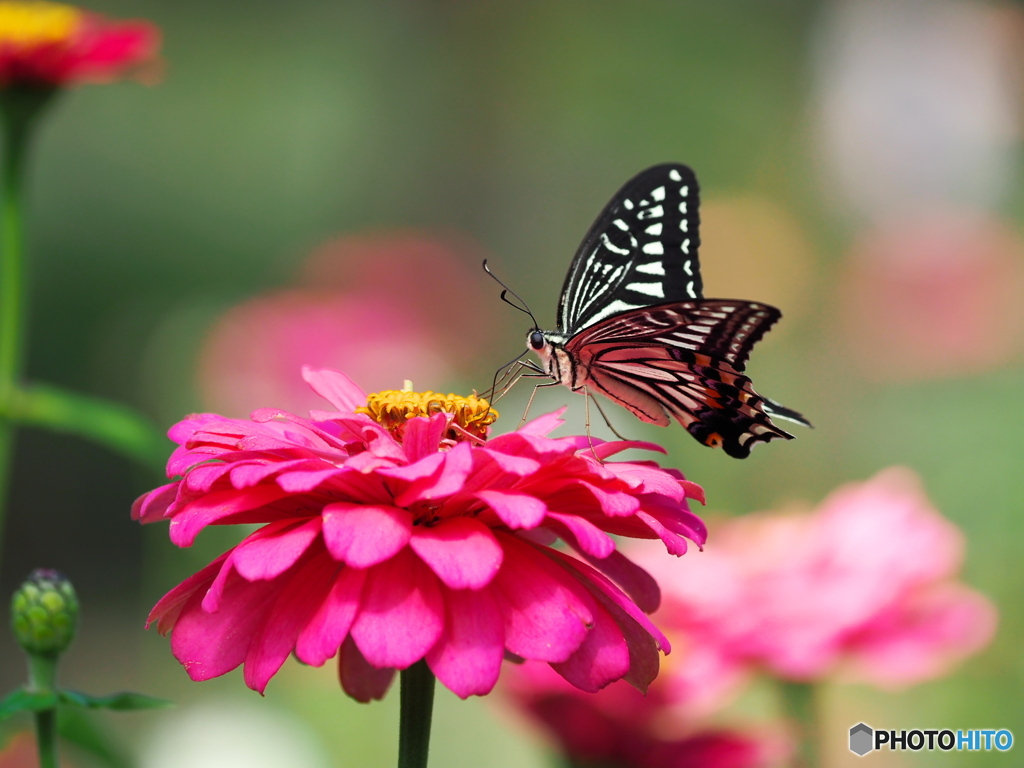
{"x": 861, "y": 739}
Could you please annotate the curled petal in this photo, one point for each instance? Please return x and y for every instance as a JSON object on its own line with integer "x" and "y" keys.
{"x": 152, "y": 506}
{"x": 167, "y": 610}
{"x": 584, "y": 535}
{"x": 215, "y": 507}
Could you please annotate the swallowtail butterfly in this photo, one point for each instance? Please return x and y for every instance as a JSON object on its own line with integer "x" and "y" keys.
{"x": 633, "y": 323}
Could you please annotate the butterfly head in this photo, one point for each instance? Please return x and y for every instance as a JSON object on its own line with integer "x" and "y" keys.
{"x": 550, "y": 348}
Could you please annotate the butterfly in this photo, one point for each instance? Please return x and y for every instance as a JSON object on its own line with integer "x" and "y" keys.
{"x": 633, "y": 323}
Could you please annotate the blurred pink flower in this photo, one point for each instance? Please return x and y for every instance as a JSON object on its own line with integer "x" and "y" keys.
{"x": 384, "y": 306}
{"x": 49, "y": 44}
{"x": 934, "y": 295}
{"x": 865, "y": 586}
{"x": 620, "y": 726}
{"x": 429, "y": 546}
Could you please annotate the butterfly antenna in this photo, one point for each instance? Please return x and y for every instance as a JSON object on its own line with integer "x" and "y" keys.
{"x": 522, "y": 306}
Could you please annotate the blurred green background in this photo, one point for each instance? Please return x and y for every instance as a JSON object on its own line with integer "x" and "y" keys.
{"x": 823, "y": 134}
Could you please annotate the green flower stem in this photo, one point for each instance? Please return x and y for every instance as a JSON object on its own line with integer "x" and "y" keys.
{"x": 115, "y": 426}
{"x": 18, "y": 111}
{"x": 801, "y": 703}
{"x": 43, "y": 677}
{"x": 417, "y": 706}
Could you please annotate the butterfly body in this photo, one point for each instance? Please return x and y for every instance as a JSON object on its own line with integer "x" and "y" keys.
{"x": 634, "y": 326}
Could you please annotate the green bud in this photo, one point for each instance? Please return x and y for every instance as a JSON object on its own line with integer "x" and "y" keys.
{"x": 44, "y": 612}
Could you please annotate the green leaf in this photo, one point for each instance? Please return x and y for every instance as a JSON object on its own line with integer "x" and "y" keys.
{"x": 113, "y": 425}
{"x": 27, "y": 701}
{"x": 117, "y": 701}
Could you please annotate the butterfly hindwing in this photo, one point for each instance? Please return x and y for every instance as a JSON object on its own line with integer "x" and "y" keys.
{"x": 684, "y": 360}
{"x": 642, "y": 250}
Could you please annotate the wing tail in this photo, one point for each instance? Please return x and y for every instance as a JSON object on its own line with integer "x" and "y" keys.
{"x": 780, "y": 411}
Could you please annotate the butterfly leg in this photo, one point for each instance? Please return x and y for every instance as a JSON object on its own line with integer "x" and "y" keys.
{"x": 589, "y": 397}
{"x": 534, "y": 394}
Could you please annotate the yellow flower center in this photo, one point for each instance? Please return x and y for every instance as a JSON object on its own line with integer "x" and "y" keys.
{"x": 30, "y": 24}
{"x": 393, "y": 408}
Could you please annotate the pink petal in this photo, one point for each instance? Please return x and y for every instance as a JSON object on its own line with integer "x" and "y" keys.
{"x": 248, "y": 473}
{"x": 184, "y": 430}
{"x": 304, "y": 481}
{"x": 218, "y": 505}
{"x": 546, "y": 612}
{"x": 422, "y": 436}
{"x": 402, "y": 614}
{"x": 603, "y": 589}
{"x": 274, "y": 549}
{"x": 585, "y": 536}
{"x": 612, "y": 503}
{"x": 330, "y": 626}
{"x": 365, "y": 534}
{"x": 693, "y": 491}
{"x": 334, "y": 387}
{"x": 167, "y": 610}
{"x": 641, "y": 587}
{"x": 467, "y": 657}
{"x": 545, "y": 424}
{"x": 362, "y": 681}
{"x": 519, "y": 466}
{"x": 210, "y": 644}
{"x": 673, "y": 543}
{"x": 150, "y": 507}
{"x": 297, "y": 602}
{"x": 461, "y": 551}
{"x": 516, "y": 510}
{"x": 601, "y": 659}
{"x": 455, "y": 468}
{"x": 605, "y": 450}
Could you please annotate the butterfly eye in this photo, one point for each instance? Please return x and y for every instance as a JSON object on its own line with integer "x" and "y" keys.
{"x": 537, "y": 340}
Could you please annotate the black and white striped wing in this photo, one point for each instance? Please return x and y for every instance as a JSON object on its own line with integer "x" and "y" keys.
{"x": 642, "y": 250}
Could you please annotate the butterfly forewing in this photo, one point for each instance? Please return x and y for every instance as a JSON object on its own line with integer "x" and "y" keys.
{"x": 642, "y": 250}
{"x": 721, "y": 328}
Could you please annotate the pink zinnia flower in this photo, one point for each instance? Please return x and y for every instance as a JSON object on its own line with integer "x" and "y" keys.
{"x": 865, "y": 586}
{"x": 46, "y": 44}
{"x": 393, "y": 531}
{"x": 621, "y": 727}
